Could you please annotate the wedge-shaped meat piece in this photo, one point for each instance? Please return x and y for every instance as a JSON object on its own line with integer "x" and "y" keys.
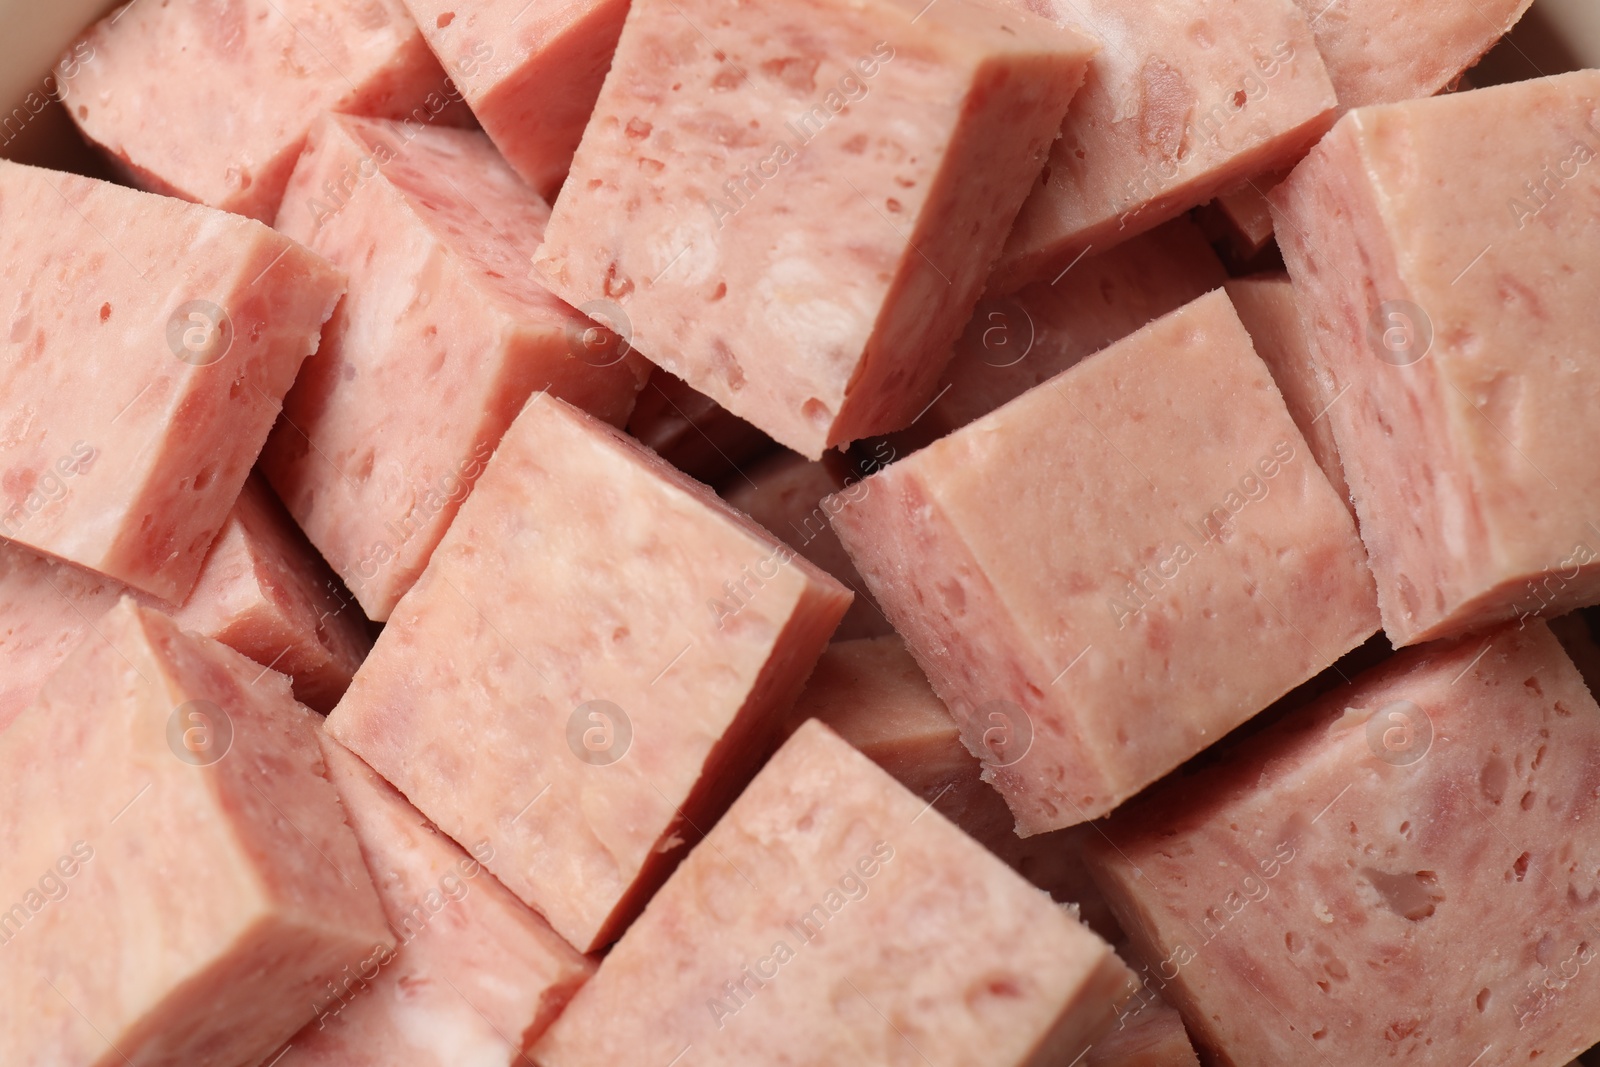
{"x": 530, "y": 72}
{"x": 211, "y": 101}
{"x": 872, "y": 693}
{"x": 1443, "y": 278}
{"x": 1403, "y": 870}
{"x": 476, "y": 977}
{"x": 1242, "y": 218}
{"x": 598, "y": 657}
{"x": 1267, "y": 306}
{"x": 1148, "y": 1033}
{"x": 831, "y": 918}
{"x": 442, "y": 338}
{"x": 150, "y": 344}
{"x": 1186, "y": 101}
{"x": 179, "y": 878}
{"x": 1378, "y": 52}
{"x": 1065, "y": 565}
{"x": 797, "y": 208}
{"x": 1015, "y": 342}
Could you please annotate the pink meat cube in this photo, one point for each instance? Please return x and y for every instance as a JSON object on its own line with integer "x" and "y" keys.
{"x": 442, "y": 338}
{"x": 1064, "y": 565}
{"x": 1266, "y": 305}
{"x": 872, "y": 693}
{"x": 1380, "y": 52}
{"x": 1015, "y": 342}
{"x": 150, "y": 342}
{"x": 1404, "y": 871}
{"x": 530, "y": 72}
{"x": 1187, "y": 100}
{"x": 785, "y": 494}
{"x": 210, "y": 101}
{"x": 1148, "y": 1033}
{"x": 797, "y": 212}
{"x": 831, "y": 918}
{"x": 179, "y": 881}
{"x": 1443, "y": 278}
{"x": 693, "y": 432}
{"x": 1243, "y": 217}
{"x": 597, "y": 658}
{"x": 476, "y": 976}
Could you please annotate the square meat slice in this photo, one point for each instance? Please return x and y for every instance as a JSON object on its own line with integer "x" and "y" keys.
{"x": 693, "y": 432}
{"x": 831, "y": 918}
{"x": 1380, "y": 52}
{"x": 1187, "y": 100}
{"x": 1064, "y": 565}
{"x": 1403, "y": 871}
{"x": 150, "y": 342}
{"x": 1267, "y": 306}
{"x": 179, "y": 880}
{"x": 1013, "y": 343}
{"x": 597, "y": 658}
{"x": 530, "y": 72}
{"x": 872, "y": 693}
{"x": 442, "y": 338}
{"x": 1443, "y": 278}
{"x": 475, "y": 978}
{"x": 211, "y": 101}
{"x": 796, "y": 209}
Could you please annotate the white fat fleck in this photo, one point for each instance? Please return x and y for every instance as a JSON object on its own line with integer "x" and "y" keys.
{"x": 799, "y": 300}
{"x": 687, "y": 254}
{"x": 1453, "y": 515}
{"x": 451, "y": 1032}
{"x": 1322, "y": 913}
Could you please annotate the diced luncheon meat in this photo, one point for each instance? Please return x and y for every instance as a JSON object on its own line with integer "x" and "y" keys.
{"x": 693, "y": 432}
{"x": 831, "y": 918}
{"x": 1242, "y": 217}
{"x": 594, "y": 662}
{"x": 785, "y": 495}
{"x": 211, "y": 101}
{"x": 1148, "y": 1033}
{"x": 1266, "y": 305}
{"x": 150, "y": 343}
{"x": 872, "y": 693}
{"x": 1187, "y": 99}
{"x": 1013, "y": 343}
{"x": 1063, "y": 566}
{"x": 1444, "y": 278}
{"x": 475, "y": 977}
{"x": 442, "y": 338}
{"x": 1380, "y": 52}
{"x": 529, "y": 71}
{"x": 1404, "y": 871}
{"x": 179, "y": 882}
{"x": 795, "y": 210}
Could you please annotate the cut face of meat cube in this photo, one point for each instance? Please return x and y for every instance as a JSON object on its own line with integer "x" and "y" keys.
{"x": 180, "y": 880}
{"x": 442, "y": 338}
{"x": 189, "y": 326}
{"x": 1186, "y": 101}
{"x": 831, "y": 912}
{"x": 796, "y": 209}
{"x": 476, "y": 977}
{"x": 529, "y": 71}
{"x": 1437, "y": 815}
{"x": 1148, "y": 1033}
{"x": 597, "y": 658}
{"x": 1064, "y": 565}
{"x": 211, "y": 102}
{"x": 1442, "y": 277}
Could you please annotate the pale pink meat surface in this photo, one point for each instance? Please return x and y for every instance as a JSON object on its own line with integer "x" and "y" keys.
{"x": 872, "y": 693}
{"x": 1065, "y": 566}
{"x": 1402, "y": 872}
{"x": 795, "y": 209}
{"x": 597, "y": 658}
{"x": 147, "y": 347}
{"x": 210, "y": 101}
{"x": 1246, "y": 214}
{"x": 530, "y": 71}
{"x": 179, "y": 878}
{"x": 1381, "y": 52}
{"x": 442, "y": 338}
{"x": 1266, "y": 305}
{"x": 830, "y": 918}
{"x": 1443, "y": 276}
{"x": 1186, "y": 100}
{"x": 475, "y": 978}
{"x": 785, "y": 494}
